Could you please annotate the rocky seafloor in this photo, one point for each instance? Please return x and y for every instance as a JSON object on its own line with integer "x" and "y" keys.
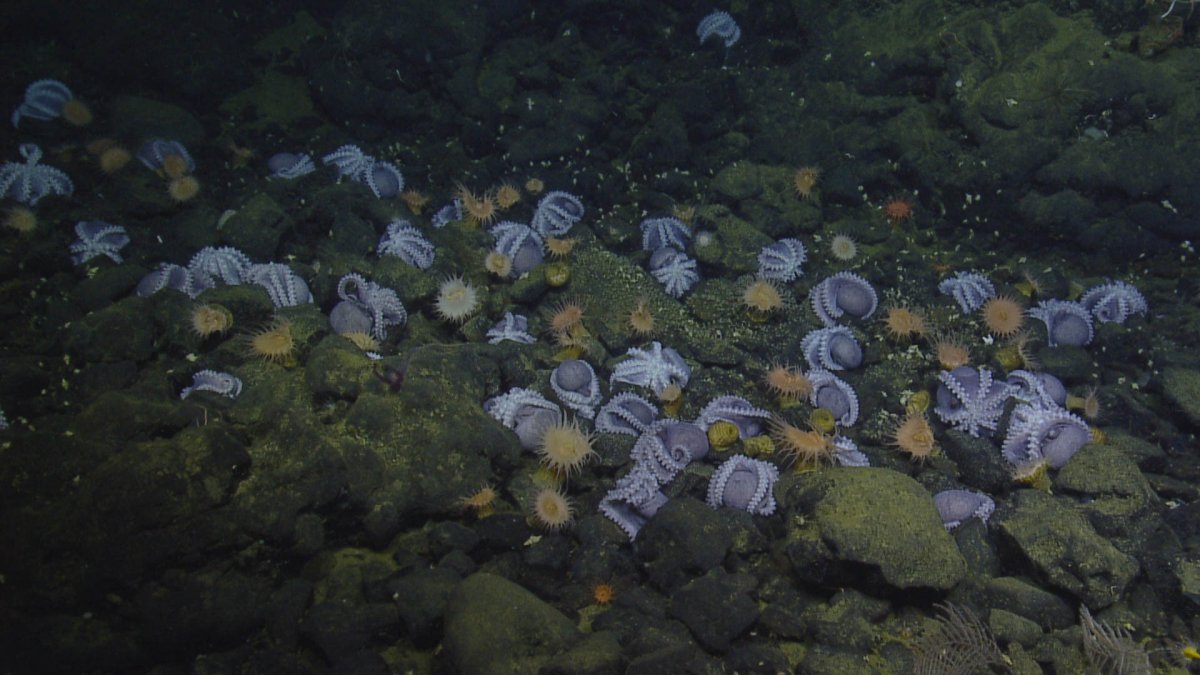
{"x": 315, "y": 522}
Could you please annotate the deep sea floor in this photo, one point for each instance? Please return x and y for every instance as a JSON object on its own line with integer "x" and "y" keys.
{"x": 596, "y": 337}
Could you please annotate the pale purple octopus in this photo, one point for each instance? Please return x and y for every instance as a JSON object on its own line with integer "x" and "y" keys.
{"x": 833, "y": 394}
{"x": 633, "y": 500}
{"x": 526, "y": 412}
{"x": 669, "y": 446}
{"x": 656, "y": 368}
{"x": 971, "y": 399}
{"x": 843, "y": 294}
{"x": 576, "y": 385}
{"x": 626, "y": 413}
{"x": 744, "y": 483}
{"x": 1114, "y": 302}
{"x": 736, "y": 410}
{"x": 381, "y": 306}
{"x": 1067, "y": 323}
{"x": 832, "y": 348}
{"x": 1038, "y": 433}
{"x": 969, "y": 289}
{"x": 958, "y": 506}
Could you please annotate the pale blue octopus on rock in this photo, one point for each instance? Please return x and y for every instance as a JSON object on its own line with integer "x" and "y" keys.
{"x": 1037, "y": 433}
{"x": 212, "y": 266}
{"x": 674, "y": 270}
{"x": 633, "y": 500}
{"x": 958, "y": 506}
{"x": 720, "y": 25}
{"x": 44, "y": 100}
{"x": 404, "y": 241}
{"x": 575, "y": 383}
{"x": 216, "y": 382}
{"x": 290, "y": 165}
{"x": 668, "y": 446}
{"x": 969, "y": 289}
{"x": 846, "y": 453}
{"x": 512, "y": 328}
{"x": 782, "y": 260}
{"x": 154, "y": 153}
{"x": 383, "y": 178}
{"x": 98, "y": 238}
{"x": 556, "y": 213}
{"x": 843, "y": 294}
{"x": 655, "y": 368}
{"x": 522, "y": 244}
{"x": 626, "y": 413}
{"x": 971, "y": 399}
{"x": 1114, "y": 302}
{"x": 526, "y": 412}
{"x": 835, "y": 395}
{"x": 663, "y": 232}
{"x": 380, "y": 305}
{"x": 29, "y": 181}
{"x": 749, "y": 420}
{"x": 1037, "y": 388}
{"x": 285, "y": 287}
{"x": 1067, "y": 323}
{"x": 832, "y": 348}
{"x": 745, "y": 484}
{"x": 168, "y": 275}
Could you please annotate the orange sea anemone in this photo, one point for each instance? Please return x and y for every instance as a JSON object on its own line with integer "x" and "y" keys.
{"x": 456, "y": 300}
{"x": 804, "y": 447}
{"x": 482, "y": 501}
{"x": 898, "y": 209}
{"x": 914, "y": 436}
{"x": 903, "y": 323}
{"x": 174, "y": 165}
{"x": 787, "y": 382}
{"x": 603, "y": 593}
{"x": 364, "y": 341}
{"x": 805, "y": 180}
{"x": 114, "y": 158}
{"x": 210, "y": 320}
{"x": 414, "y": 200}
{"x": 21, "y": 219}
{"x": 507, "y": 195}
{"x": 183, "y": 188}
{"x": 641, "y": 319}
{"x": 560, "y": 247}
{"x": 1003, "y": 315}
{"x": 552, "y": 509}
{"x": 950, "y": 351}
{"x": 762, "y": 297}
{"x": 77, "y": 113}
{"x": 498, "y": 264}
{"x": 566, "y": 316}
{"x": 843, "y": 247}
{"x": 565, "y": 446}
{"x": 534, "y": 186}
{"x": 274, "y": 343}
{"x": 480, "y": 209}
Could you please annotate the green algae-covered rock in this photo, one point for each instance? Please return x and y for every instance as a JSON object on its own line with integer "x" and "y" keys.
{"x": 116, "y": 333}
{"x": 685, "y": 538}
{"x": 495, "y": 626}
{"x": 880, "y": 519}
{"x": 255, "y": 228}
{"x": 1182, "y": 388}
{"x": 1122, "y": 506}
{"x": 1063, "y": 548}
{"x": 740, "y": 180}
{"x": 435, "y": 440}
{"x": 717, "y": 608}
